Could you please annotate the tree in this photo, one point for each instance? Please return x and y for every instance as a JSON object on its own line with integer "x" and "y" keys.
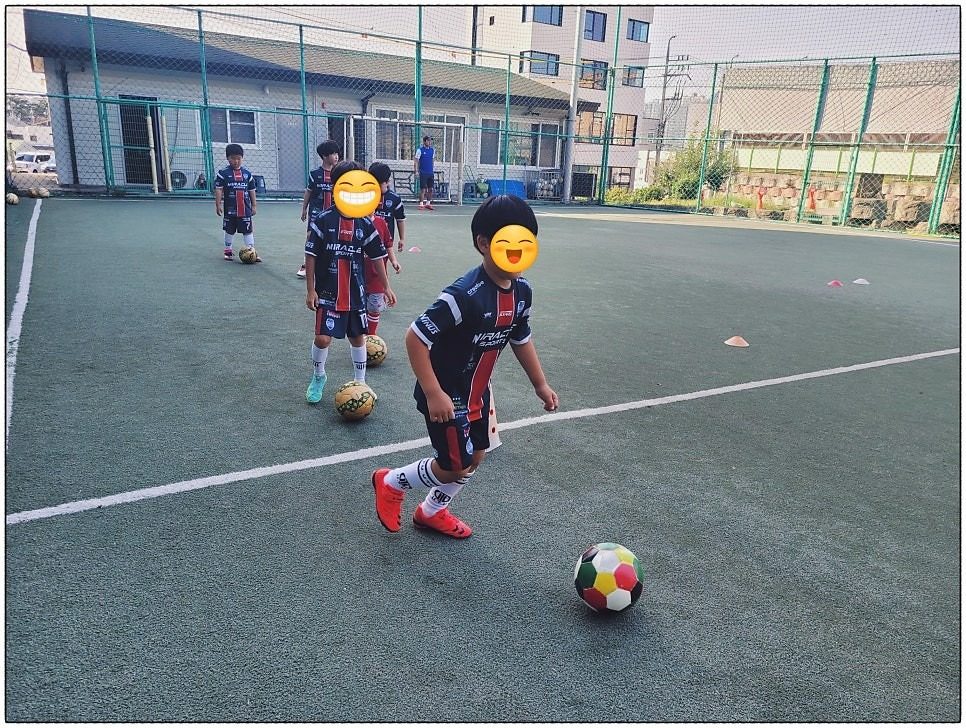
{"x": 29, "y": 109}
{"x": 679, "y": 176}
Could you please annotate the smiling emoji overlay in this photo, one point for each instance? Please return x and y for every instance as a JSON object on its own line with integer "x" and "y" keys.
{"x": 356, "y": 194}
{"x": 514, "y": 248}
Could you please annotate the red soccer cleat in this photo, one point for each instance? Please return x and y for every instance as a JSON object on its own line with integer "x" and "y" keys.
{"x": 388, "y": 501}
{"x": 444, "y": 522}
{"x": 429, "y": 206}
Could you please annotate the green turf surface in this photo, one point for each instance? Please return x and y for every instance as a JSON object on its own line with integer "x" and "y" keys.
{"x": 800, "y": 543}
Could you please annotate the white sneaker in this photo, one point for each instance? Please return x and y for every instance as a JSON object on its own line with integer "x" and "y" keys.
{"x": 301, "y": 271}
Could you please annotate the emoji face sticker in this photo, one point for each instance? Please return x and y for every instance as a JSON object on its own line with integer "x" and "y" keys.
{"x": 513, "y": 248}
{"x": 356, "y": 193}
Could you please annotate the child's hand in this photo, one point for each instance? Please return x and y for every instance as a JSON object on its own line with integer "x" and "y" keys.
{"x": 400, "y": 246}
{"x": 390, "y": 296}
{"x": 303, "y": 215}
{"x": 254, "y": 211}
{"x": 549, "y": 397}
{"x": 440, "y": 407}
{"x": 396, "y": 267}
{"x": 218, "y": 210}
{"x": 312, "y": 301}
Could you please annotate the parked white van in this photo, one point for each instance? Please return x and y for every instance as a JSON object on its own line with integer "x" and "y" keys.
{"x": 36, "y": 162}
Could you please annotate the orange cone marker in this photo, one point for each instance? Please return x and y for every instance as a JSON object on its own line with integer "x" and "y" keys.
{"x": 737, "y": 341}
{"x": 834, "y": 284}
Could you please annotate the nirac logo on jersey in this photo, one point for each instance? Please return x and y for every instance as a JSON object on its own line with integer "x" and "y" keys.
{"x": 492, "y": 337}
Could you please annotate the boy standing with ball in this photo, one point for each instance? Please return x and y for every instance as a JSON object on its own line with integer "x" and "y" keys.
{"x": 235, "y": 187}
{"x": 453, "y": 348}
{"x": 340, "y": 238}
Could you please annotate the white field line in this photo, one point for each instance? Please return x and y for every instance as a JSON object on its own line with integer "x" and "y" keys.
{"x": 16, "y": 315}
{"x": 199, "y": 483}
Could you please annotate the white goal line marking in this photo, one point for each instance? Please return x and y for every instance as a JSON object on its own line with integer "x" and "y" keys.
{"x": 370, "y": 452}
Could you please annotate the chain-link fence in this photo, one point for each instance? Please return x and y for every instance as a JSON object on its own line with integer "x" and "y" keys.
{"x": 143, "y": 100}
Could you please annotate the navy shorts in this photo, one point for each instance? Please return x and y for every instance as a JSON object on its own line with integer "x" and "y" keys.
{"x": 234, "y": 225}
{"x": 454, "y": 442}
{"x": 340, "y": 324}
{"x": 426, "y": 181}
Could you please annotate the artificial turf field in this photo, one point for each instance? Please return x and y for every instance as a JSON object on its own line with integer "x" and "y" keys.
{"x": 800, "y": 537}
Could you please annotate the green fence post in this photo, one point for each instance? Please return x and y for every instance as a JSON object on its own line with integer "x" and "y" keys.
{"x": 205, "y": 118}
{"x": 857, "y": 147}
{"x": 506, "y": 120}
{"x": 707, "y": 139}
{"x": 608, "y": 134}
{"x": 816, "y": 124}
{"x": 101, "y": 110}
{"x": 306, "y": 154}
{"x": 945, "y": 167}
{"x": 609, "y": 117}
{"x": 418, "y": 84}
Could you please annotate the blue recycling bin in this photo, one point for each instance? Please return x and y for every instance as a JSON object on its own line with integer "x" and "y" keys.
{"x": 512, "y": 187}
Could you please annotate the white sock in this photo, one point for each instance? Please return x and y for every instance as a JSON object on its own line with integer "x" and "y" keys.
{"x": 318, "y": 359}
{"x": 440, "y": 497}
{"x": 229, "y": 239}
{"x": 250, "y": 240}
{"x": 417, "y": 473}
{"x": 359, "y": 357}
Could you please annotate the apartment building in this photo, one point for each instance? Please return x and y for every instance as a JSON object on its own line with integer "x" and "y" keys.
{"x": 546, "y": 36}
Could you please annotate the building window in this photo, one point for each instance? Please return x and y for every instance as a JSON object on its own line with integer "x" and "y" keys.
{"x": 634, "y": 76}
{"x": 387, "y": 134}
{"x": 625, "y": 130}
{"x": 593, "y": 74}
{"x": 619, "y": 178}
{"x": 543, "y": 145}
{"x": 637, "y": 30}
{"x": 590, "y": 127}
{"x": 545, "y": 64}
{"x": 547, "y": 14}
{"x": 595, "y": 25}
{"x": 490, "y": 142}
{"x": 229, "y": 126}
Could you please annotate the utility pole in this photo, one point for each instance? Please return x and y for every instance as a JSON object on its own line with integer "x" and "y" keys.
{"x": 662, "y": 117}
{"x": 571, "y": 126}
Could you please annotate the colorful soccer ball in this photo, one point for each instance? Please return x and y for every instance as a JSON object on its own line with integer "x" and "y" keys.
{"x": 376, "y": 350}
{"x": 247, "y": 255}
{"x": 608, "y": 577}
{"x": 354, "y": 400}
{"x": 12, "y": 199}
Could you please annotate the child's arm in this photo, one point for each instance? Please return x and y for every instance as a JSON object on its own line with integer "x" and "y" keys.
{"x": 305, "y": 203}
{"x": 218, "y": 194}
{"x": 311, "y": 297}
{"x": 526, "y": 354}
{"x": 384, "y": 279}
{"x": 437, "y": 401}
{"x": 392, "y": 258}
{"x": 251, "y": 196}
{"x": 401, "y": 224}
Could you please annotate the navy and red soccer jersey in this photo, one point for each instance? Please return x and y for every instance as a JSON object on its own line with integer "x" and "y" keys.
{"x": 465, "y": 329}
{"x": 373, "y": 284}
{"x": 320, "y": 183}
{"x": 339, "y": 246}
{"x": 391, "y": 209}
{"x": 236, "y": 183}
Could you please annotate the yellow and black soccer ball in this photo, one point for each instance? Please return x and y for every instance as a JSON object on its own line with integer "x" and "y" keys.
{"x": 376, "y": 350}
{"x": 354, "y": 400}
{"x": 12, "y": 199}
{"x": 248, "y": 255}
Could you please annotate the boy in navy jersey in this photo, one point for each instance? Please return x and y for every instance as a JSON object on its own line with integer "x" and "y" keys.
{"x": 452, "y": 348}
{"x": 235, "y": 186}
{"x": 318, "y": 192}
{"x": 389, "y": 212}
{"x": 335, "y": 284}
